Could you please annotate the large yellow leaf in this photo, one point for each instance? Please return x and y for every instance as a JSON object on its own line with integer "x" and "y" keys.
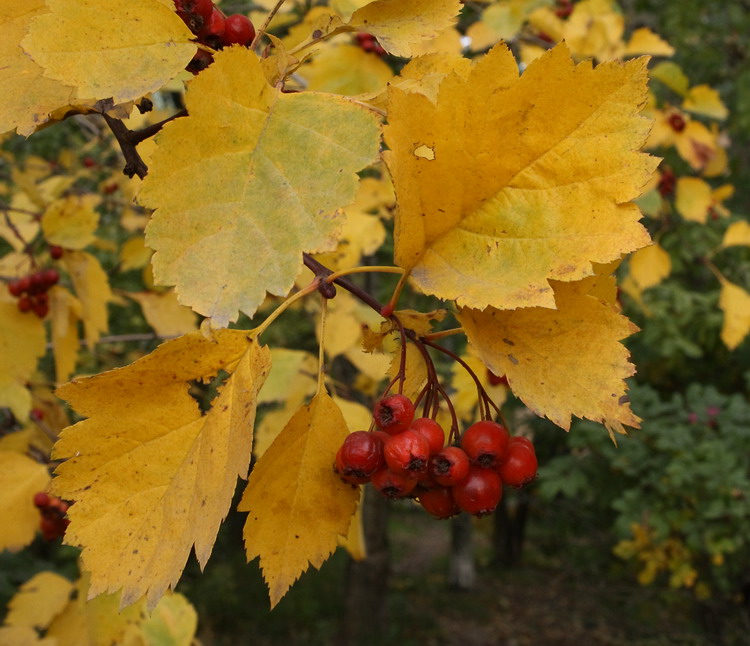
{"x": 28, "y": 96}
{"x": 92, "y": 289}
{"x": 118, "y": 49}
{"x": 297, "y": 505}
{"x": 506, "y": 183}
{"x": 247, "y": 159}
{"x": 560, "y": 362}
{"x": 22, "y": 342}
{"x": 150, "y": 475}
{"x": 20, "y": 478}
{"x": 39, "y": 600}
{"x": 735, "y": 303}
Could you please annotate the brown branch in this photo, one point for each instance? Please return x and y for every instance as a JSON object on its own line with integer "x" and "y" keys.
{"x": 134, "y": 164}
{"x": 137, "y": 136}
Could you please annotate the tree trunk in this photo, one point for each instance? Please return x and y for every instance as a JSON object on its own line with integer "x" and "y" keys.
{"x": 462, "y": 572}
{"x": 510, "y": 527}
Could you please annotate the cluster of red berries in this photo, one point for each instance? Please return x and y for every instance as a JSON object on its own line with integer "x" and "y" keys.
{"x": 667, "y": 183}
{"x": 370, "y": 44}
{"x": 407, "y": 458}
{"x": 213, "y": 28}
{"x": 31, "y": 291}
{"x": 53, "y": 522}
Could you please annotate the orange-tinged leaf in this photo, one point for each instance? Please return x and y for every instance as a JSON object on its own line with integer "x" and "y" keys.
{"x": 150, "y": 475}
{"x": 294, "y": 521}
{"x": 255, "y": 157}
{"x": 110, "y": 49}
{"x": 39, "y": 600}
{"x": 560, "y": 362}
{"x": 28, "y": 96}
{"x": 20, "y": 478}
{"x": 527, "y": 179}
{"x": 735, "y": 303}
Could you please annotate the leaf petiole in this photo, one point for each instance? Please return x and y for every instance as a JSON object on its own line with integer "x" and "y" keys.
{"x": 385, "y": 269}
{"x": 313, "y": 286}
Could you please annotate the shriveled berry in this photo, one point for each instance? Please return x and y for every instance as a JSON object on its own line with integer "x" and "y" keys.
{"x": 238, "y": 30}
{"x": 407, "y": 452}
{"x": 362, "y": 454}
{"x": 394, "y": 414}
{"x": 199, "y": 62}
{"x": 480, "y": 492}
{"x": 41, "y": 499}
{"x": 449, "y": 466}
{"x": 439, "y": 502}
{"x": 89, "y": 162}
{"x": 486, "y": 443}
{"x": 520, "y": 466}
{"x": 393, "y": 485}
{"x": 431, "y": 430}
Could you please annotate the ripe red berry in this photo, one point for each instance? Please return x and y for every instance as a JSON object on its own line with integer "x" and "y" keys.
{"x": 393, "y": 485}
{"x": 361, "y": 455}
{"x": 523, "y": 441}
{"x": 486, "y": 443}
{"x": 14, "y": 287}
{"x": 520, "y": 466}
{"x": 50, "y": 277}
{"x": 238, "y": 30}
{"x": 24, "y": 284}
{"x": 339, "y": 467}
{"x": 37, "y": 282}
{"x": 676, "y": 121}
{"x": 41, "y": 499}
{"x": 480, "y": 492}
{"x": 450, "y": 466}
{"x": 439, "y": 502}
{"x": 24, "y": 304}
{"x": 432, "y": 432}
{"x": 36, "y": 413}
{"x": 56, "y": 252}
{"x": 41, "y": 309}
{"x": 42, "y": 298}
{"x": 89, "y": 162}
{"x": 407, "y": 452}
{"x": 215, "y": 25}
{"x": 394, "y": 414}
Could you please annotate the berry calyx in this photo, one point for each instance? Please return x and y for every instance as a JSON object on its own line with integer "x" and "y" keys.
{"x": 431, "y": 430}
{"x": 393, "y": 485}
{"x": 238, "y": 30}
{"x": 479, "y": 493}
{"x": 360, "y": 456}
{"x": 439, "y": 502}
{"x": 520, "y": 467}
{"x": 407, "y": 452}
{"x": 450, "y": 466}
{"x": 486, "y": 443}
{"x": 394, "y": 414}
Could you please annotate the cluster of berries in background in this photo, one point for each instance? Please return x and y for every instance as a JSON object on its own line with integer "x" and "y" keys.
{"x": 31, "y": 290}
{"x": 213, "y": 28}
{"x": 407, "y": 457}
{"x": 53, "y": 522}
{"x": 370, "y": 44}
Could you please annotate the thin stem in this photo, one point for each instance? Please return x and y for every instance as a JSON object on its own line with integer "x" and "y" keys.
{"x": 321, "y": 345}
{"x": 313, "y": 286}
{"x": 434, "y": 336}
{"x": 393, "y": 301}
{"x": 137, "y": 136}
{"x": 402, "y": 363}
{"x": 715, "y": 271}
{"x": 322, "y": 272}
{"x": 26, "y": 246}
{"x": 362, "y": 270}
{"x": 266, "y": 22}
{"x": 311, "y": 43}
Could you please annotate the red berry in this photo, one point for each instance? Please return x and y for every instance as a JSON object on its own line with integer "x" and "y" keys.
{"x": 56, "y": 252}
{"x": 113, "y": 186}
{"x": 393, "y": 485}
{"x": 215, "y": 26}
{"x": 50, "y": 277}
{"x": 24, "y": 284}
{"x": 486, "y": 443}
{"x": 677, "y": 121}
{"x": 361, "y": 455}
{"x": 40, "y": 309}
{"x": 14, "y": 287}
{"x": 394, "y": 414}
{"x": 339, "y": 467}
{"x": 37, "y": 282}
{"x": 523, "y": 441}
{"x": 520, "y": 466}
{"x": 439, "y": 502}
{"x": 238, "y": 30}
{"x": 432, "y": 432}
{"x": 42, "y": 298}
{"x": 480, "y": 492}
{"x": 89, "y": 162}
{"x": 41, "y": 499}
{"x": 407, "y": 452}
{"x": 667, "y": 183}
{"x": 24, "y": 304}
{"x": 202, "y": 8}
{"x": 49, "y": 527}
{"x": 37, "y": 413}
{"x": 450, "y": 466}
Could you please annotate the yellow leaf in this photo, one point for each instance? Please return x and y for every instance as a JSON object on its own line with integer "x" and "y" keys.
{"x": 92, "y": 289}
{"x": 39, "y": 600}
{"x": 28, "y": 96}
{"x": 645, "y": 41}
{"x": 420, "y": 322}
{"x": 71, "y": 221}
{"x": 672, "y": 76}
{"x": 291, "y": 158}
{"x": 164, "y": 314}
{"x": 491, "y": 229}
{"x": 696, "y": 144}
{"x": 65, "y": 312}
{"x": 21, "y": 223}
{"x": 500, "y": 21}
{"x": 447, "y": 41}
{"x": 649, "y": 266}
{"x": 20, "y": 478}
{"x": 737, "y": 234}
{"x": 354, "y": 542}
{"x": 23, "y": 636}
{"x": 22, "y": 343}
{"x": 134, "y": 254}
{"x": 735, "y": 303}
{"x": 294, "y": 521}
{"x": 110, "y": 49}
{"x": 397, "y": 24}
{"x": 693, "y": 199}
{"x": 346, "y": 69}
{"x": 704, "y": 100}
{"x": 293, "y": 377}
{"x": 150, "y": 475}
{"x": 594, "y": 29}
{"x": 357, "y": 416}
{"x": 173, "y": 622}
{"x": 560, "y": 362}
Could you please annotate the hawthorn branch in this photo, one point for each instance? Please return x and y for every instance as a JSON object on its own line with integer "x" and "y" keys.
{"x": 137, "y": 136}
{"x": 134, "y": 164}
